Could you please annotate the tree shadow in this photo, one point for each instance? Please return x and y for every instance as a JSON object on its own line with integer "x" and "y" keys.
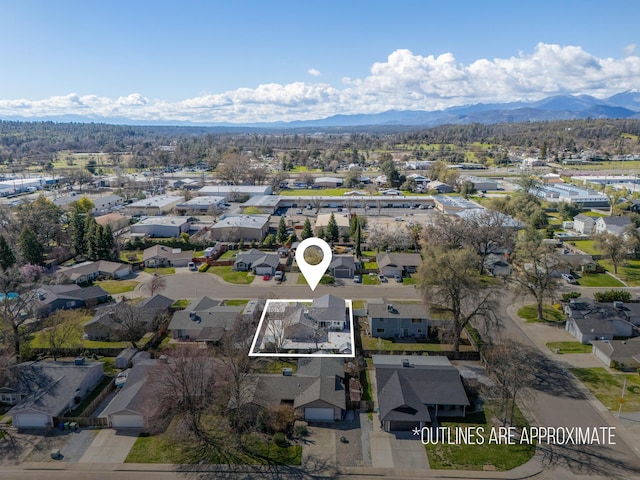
{"x": 589, "y": 460}
{"x": 553, "y": 379}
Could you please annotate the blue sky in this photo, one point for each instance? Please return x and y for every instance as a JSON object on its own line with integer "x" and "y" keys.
{"x": 245, "y": 61}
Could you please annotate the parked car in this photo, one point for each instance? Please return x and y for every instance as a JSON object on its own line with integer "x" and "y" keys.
{"x": 279, "y": 276}
{"x": 357, "y": 279}
{"x": 192, "y": 266}
{"x": 398, "y": 278}
{"x": 569, "y": 279}
{"x": 382, "y": 278}
{"x": 266, "y": 277}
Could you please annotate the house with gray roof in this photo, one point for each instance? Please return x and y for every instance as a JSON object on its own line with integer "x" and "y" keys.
{"x": 260, "y": 263}
{"x": 343, "y": 266}
{"x": 127, "y": 409}
{"x": 316, "y": 391}
{"x": 204, "y": 320}
{"x": 107, "y": 323}
{"x": 163, "y": 256}
{"x": 623, "y": 354}
{"x": 233, "y": 228}
{"x": 413, "y": 391}
{"x": 589, "y": 320}
{"x": 584, "y": 224}
{"x": 88, "y": 271}
{"x": 614, "y": 225}
{"x": 64, "y": 297}
{"x": 396, "y": 320}
{"x": 44, "y": 391}
{"x": 392, "y": 264}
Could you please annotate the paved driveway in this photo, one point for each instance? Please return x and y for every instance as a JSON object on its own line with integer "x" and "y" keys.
{"x": 319, "y": 450}
{"x": 110, "y": 446}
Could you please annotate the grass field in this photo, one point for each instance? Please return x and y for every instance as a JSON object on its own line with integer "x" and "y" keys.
{"x": 569, "y": 347}
{"x": 232, "y": 276}
{"x": 473, "y": 456}
{"x": 607, "y": 387}
{"x": 587, "y": 246}
{"x": 549, "y": 313}
{"x": 117, "y": 286}
{"x": 599, "y": 280}
{"x": 629, "y": 272}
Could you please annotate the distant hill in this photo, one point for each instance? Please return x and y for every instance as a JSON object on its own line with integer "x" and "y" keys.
{"x": 558, "y": 107}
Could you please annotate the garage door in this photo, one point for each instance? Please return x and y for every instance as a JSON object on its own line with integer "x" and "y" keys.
{"x": 342, "y": 273}
{"x": 319, "y": 414}
{"x": 264, "y": 271}
{"x": 127, "y": 421}
{"x": 31, "y": 420}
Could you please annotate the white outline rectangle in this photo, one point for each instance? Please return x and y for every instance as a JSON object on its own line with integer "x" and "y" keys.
{"x": 349, "y": 304}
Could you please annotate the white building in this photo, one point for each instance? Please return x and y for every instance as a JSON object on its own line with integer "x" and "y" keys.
{"x": 153, "y": 205}
{"x": 161, "y": 226}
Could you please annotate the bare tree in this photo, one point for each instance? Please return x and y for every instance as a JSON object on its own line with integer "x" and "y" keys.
{"x": 214, "y": 211}
{"x": 183, "y": 388}
{"x": 17, "y": 304}
{"x": 156, "y": 284}
{"x": 488, "y": 231}
{"x": 613, "y": 246}
{"x": 133, "y": 323}
{"x": 512, "y": 367}
{"x": 450, "y": 283}
{"x": 63, "y": 331}
{"x": 536, "y": 268}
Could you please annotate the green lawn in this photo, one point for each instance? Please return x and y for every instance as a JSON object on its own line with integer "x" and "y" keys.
{"x": 629, "y": 272}
{"x": 410, "y": 280}
{"x": 599, "y": 280}
{"x": 301, "y": 280}
{"x": 569, "y": 347}
{"x": 370, "y": 265}
{"x": 131, "y": 256}
{"x": 372, "y": 343}
{"x": 369, "y": 253}
{"x": 587, "y": 246}
{"x": 358, "y": 304}
{"x": 549, "y": 313}
{"x": 370, "y": 280}
{"x": 276, "y": 366}
{"x": 595, "y": 214}
{"x": 256, "y": 450}
{"x": 161, "y": 270}
{"x": 229, "y": 255}
{"x": 232, "y": 276}
{"x": 310, "y": 192}
{"x": 235, "y": 302}
{"x": 117, "y": 286}
{"x": 607, "y": 387}
{"x": 182, "y": 303}
{"x": 476, "y": 457}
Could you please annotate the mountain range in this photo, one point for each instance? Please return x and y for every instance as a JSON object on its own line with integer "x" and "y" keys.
{"x": 558, "y": 107}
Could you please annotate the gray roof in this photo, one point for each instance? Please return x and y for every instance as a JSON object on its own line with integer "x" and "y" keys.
{"x": 212, "y": 321}
{"x": 255, "y": 257}
{"x": 619, "y": 348}
{"x": 50, "y": 293}
{"x": 399, "y": 259}
{"x": 401, "y": 390}
{"x": 587, "y": 308}
{"x": 242, "y": 221}
{"x": 87, "y": 268}
{"x": 343, "y": 261}
{"x": 596, "y": 326}
{"x": 50, "y": 387}
{"x": 615, "y": 221}
{"x": 399, "y": 310}
{"x": 146, "y": 312}
{"x": 131, "y": 397}
{"x": 169, "y": 253}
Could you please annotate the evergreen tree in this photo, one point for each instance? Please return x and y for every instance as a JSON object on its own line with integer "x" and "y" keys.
{"x": 92, "y": 238}
{"x": 31, "y": 248}
{"x": 306, "y": 230}
{"x": 358, "y": 240}
{"x": 281, "y": 235}
{"x": 320, "y": 233}
{"x": 77, "y": 231}
{"x": 7, "y": 258}
{"x": 333, "y": 232}
{"x": 292, "y": 238}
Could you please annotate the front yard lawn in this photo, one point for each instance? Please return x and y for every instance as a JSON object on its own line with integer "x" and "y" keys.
{"x": 549, "y": 313}
{"x": 370, "y": 280}
{"x": 587, "y": 246}
{"x": 599, "y": 280}
{"x": 569, "y": 347}
{"x": 235, "y": 302}
{"x": 232, "y": 276}
{"x": 607, "y": 387}
{"x": 161, "y": 270}
{"x": 117, "y": 286}
{"x": 474, "y": 456}
{"x": 629, "y": 271}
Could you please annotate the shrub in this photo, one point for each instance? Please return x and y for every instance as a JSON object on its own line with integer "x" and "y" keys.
{"x": 568, "y": 296}
{"x": 280, "y": 440}
{"x": 301, "y": 431}
{"x": 612, "y": 296}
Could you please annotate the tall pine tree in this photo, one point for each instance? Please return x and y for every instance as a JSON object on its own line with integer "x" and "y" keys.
{"x": 7, "y": 257}
{"x": 333, "y": 232}
{"x": 281, "y": 236}
{"x": 31, "y": 248}
{"x": 306, "y": 230}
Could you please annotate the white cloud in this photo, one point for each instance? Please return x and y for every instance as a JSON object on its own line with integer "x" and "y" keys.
{"x": 313, "y": 72}
{"x": 403, "y": 81}
{"x": 630, "y": 49}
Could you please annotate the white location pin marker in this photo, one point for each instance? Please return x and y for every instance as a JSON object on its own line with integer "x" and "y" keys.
{"x": 313, "y": 273}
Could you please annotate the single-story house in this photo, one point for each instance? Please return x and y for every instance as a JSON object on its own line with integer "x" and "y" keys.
{"x": 584, "y": 224}
{"x": 163, "y": 256}
{"x": 56, "y": 297}
{"x": 497, "y": 265}
{"x": 168, "y": 226}
{"x": 620, "y": 353}
{"x": 343, "y": 266}
{"x": 316, "y": 390}
{"x": 43, "y": 391}
{"x": 589, "y": 320}
{"x": 107, "y": 322}
{"x": 387, "y": 320}
{"x": 614, "y": 225}
{"x": 233, "y": 228}
{"x": 414, "y": 389}
{"x": 577, "y": 262}
{"x": 440, "y": 187}
{"x": 88, "y": 271}
{"x": 260, "y": 263}
{"x": 392, "y": 264}
{"x": 127, "y": 408}
{"x": 204, "y": 320}
{"x": 342, "y": 220}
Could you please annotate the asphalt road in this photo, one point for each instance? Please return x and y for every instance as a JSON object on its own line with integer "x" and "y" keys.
{"x": 195, "y": 284}
{"x": 555, "y": 400}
